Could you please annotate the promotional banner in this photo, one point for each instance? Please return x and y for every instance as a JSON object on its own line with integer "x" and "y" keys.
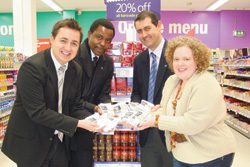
{"x": 42, "y": 44}
{"x": 128, "y": 10}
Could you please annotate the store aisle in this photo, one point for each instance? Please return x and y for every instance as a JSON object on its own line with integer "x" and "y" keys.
{"x": 241, "y": 157}
{"x": 5, "y": 161}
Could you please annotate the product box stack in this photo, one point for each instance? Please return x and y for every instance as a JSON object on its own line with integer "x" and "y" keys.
{"x": 122, "y": 146}
{"x": 123, "y": 55}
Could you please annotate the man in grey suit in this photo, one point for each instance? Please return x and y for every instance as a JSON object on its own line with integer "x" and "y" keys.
{"x": 48, "y": 106}
{"x": 97, "y": 73}
{"x": 152, "y": 140}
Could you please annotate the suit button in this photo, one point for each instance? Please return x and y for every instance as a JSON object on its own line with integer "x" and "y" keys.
{"x": 51, "y": 138}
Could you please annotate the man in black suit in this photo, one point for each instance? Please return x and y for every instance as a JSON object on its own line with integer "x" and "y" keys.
{"x": 97, "y": 73}
{"x": 46, "y": 109}
{"x": 152, "y": 141}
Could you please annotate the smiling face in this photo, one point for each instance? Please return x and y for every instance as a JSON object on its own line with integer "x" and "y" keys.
{"x": 100, "y": 39}
{"x": 65, "y": 44}
{"x": 183, "y": 63}
{"x": 149, "y": 34}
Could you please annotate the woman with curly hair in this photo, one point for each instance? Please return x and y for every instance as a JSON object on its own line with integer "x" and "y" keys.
{"x": 192, "y": 109}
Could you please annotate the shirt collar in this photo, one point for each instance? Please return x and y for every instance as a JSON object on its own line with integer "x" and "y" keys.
{"x": 158, "y": 50}
{"x": 93, "y": 55}
{"x": 56, "y": 63}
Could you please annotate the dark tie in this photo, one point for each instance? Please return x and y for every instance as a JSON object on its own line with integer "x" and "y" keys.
{"x": 95, "y": 60}
{"x": 152, "y": 78}
{"x": 60, "y": 92}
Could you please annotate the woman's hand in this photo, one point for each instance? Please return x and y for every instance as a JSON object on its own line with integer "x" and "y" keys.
{"x": 155, "y": 108}
{"x": 146, "y": 124}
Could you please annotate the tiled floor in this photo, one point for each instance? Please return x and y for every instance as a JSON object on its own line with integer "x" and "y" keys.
{"x": 242, "y": 156}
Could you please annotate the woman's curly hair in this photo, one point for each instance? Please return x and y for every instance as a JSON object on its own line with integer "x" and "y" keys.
{"x": 200, "y": 51}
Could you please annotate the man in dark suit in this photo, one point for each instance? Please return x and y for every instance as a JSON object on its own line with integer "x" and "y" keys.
{"x": 152, "y": 141}
{"x": 48, "y": 103}
{"x": 97, "y": 73}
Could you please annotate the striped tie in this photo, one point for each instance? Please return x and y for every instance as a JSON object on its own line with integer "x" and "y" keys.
{"x": 60, "y": 92}
{"x": 152, "y": 78}
{"x": 95, "y": 60}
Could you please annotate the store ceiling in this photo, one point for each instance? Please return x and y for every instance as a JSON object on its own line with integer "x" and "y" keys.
{"x": 98, "y": 5}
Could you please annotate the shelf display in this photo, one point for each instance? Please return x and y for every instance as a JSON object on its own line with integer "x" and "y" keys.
{"x": 9, "y": 65}
{"x": 123, "y": 54}
{"x": 233, "y": 75}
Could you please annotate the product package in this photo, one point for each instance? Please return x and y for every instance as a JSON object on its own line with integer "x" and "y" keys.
{"x": 132, "y": 113}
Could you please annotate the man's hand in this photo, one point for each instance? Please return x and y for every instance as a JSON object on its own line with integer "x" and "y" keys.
{"x": 90, "y": 126}
{"x": 98, "y": 109}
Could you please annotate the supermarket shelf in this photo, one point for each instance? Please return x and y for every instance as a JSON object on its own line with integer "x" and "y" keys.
{"x": 236, "y": 97}
{"x": 238, "y": 128}
{"x": 236, "y": 86}
{"x": 237, "y": 112}
{"x": 117, "y": 164}
{"x": 238, "y": 65}
{"x": 241, "y": 75}
{"x": 5, "y": 114}
{"x": 8, "y": 69}
{"x": 2, "y": 93}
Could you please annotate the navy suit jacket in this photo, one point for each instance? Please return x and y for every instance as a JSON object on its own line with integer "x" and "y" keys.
{"x": 96, "y": 89}
{"x": 141, "y": 81}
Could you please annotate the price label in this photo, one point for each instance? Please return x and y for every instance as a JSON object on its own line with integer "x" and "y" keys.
{"x": 128, "y": 10}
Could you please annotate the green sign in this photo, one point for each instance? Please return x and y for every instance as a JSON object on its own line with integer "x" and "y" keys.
{"x": 239, "y": 33}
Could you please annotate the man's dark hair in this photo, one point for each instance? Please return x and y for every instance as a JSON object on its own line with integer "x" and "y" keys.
{"x": 104, "y": 22}
{"x": 144, "y": 14}
{"x": 70, "y": 23}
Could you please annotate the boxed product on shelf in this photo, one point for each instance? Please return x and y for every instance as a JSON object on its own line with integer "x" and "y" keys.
{"x": 129, "y": 86}
{"x": 127, "y": 47}
{"x": 137, "y": 48}
{"x": 113, "y": 86}
{"x": 126, "y": 60}
{"x": 116, "y": 60}
{"x": 121, "y": 86}
{"x": 113, "y": 52}
{"x": 115, "y": 46}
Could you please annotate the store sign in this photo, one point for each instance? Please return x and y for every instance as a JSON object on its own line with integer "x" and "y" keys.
{"x": 119, "y": 10}
{"x": 6, "y": 30}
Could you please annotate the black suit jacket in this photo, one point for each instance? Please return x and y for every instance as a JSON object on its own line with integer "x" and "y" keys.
{"x": 96, "y": 88}
{"x": 34, "y": 117}
{"x": 141, "y": 80}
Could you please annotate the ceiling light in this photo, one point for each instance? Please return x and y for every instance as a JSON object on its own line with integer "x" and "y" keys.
{"x": 53, "y": 5}
{"x": 216, "y": 4}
